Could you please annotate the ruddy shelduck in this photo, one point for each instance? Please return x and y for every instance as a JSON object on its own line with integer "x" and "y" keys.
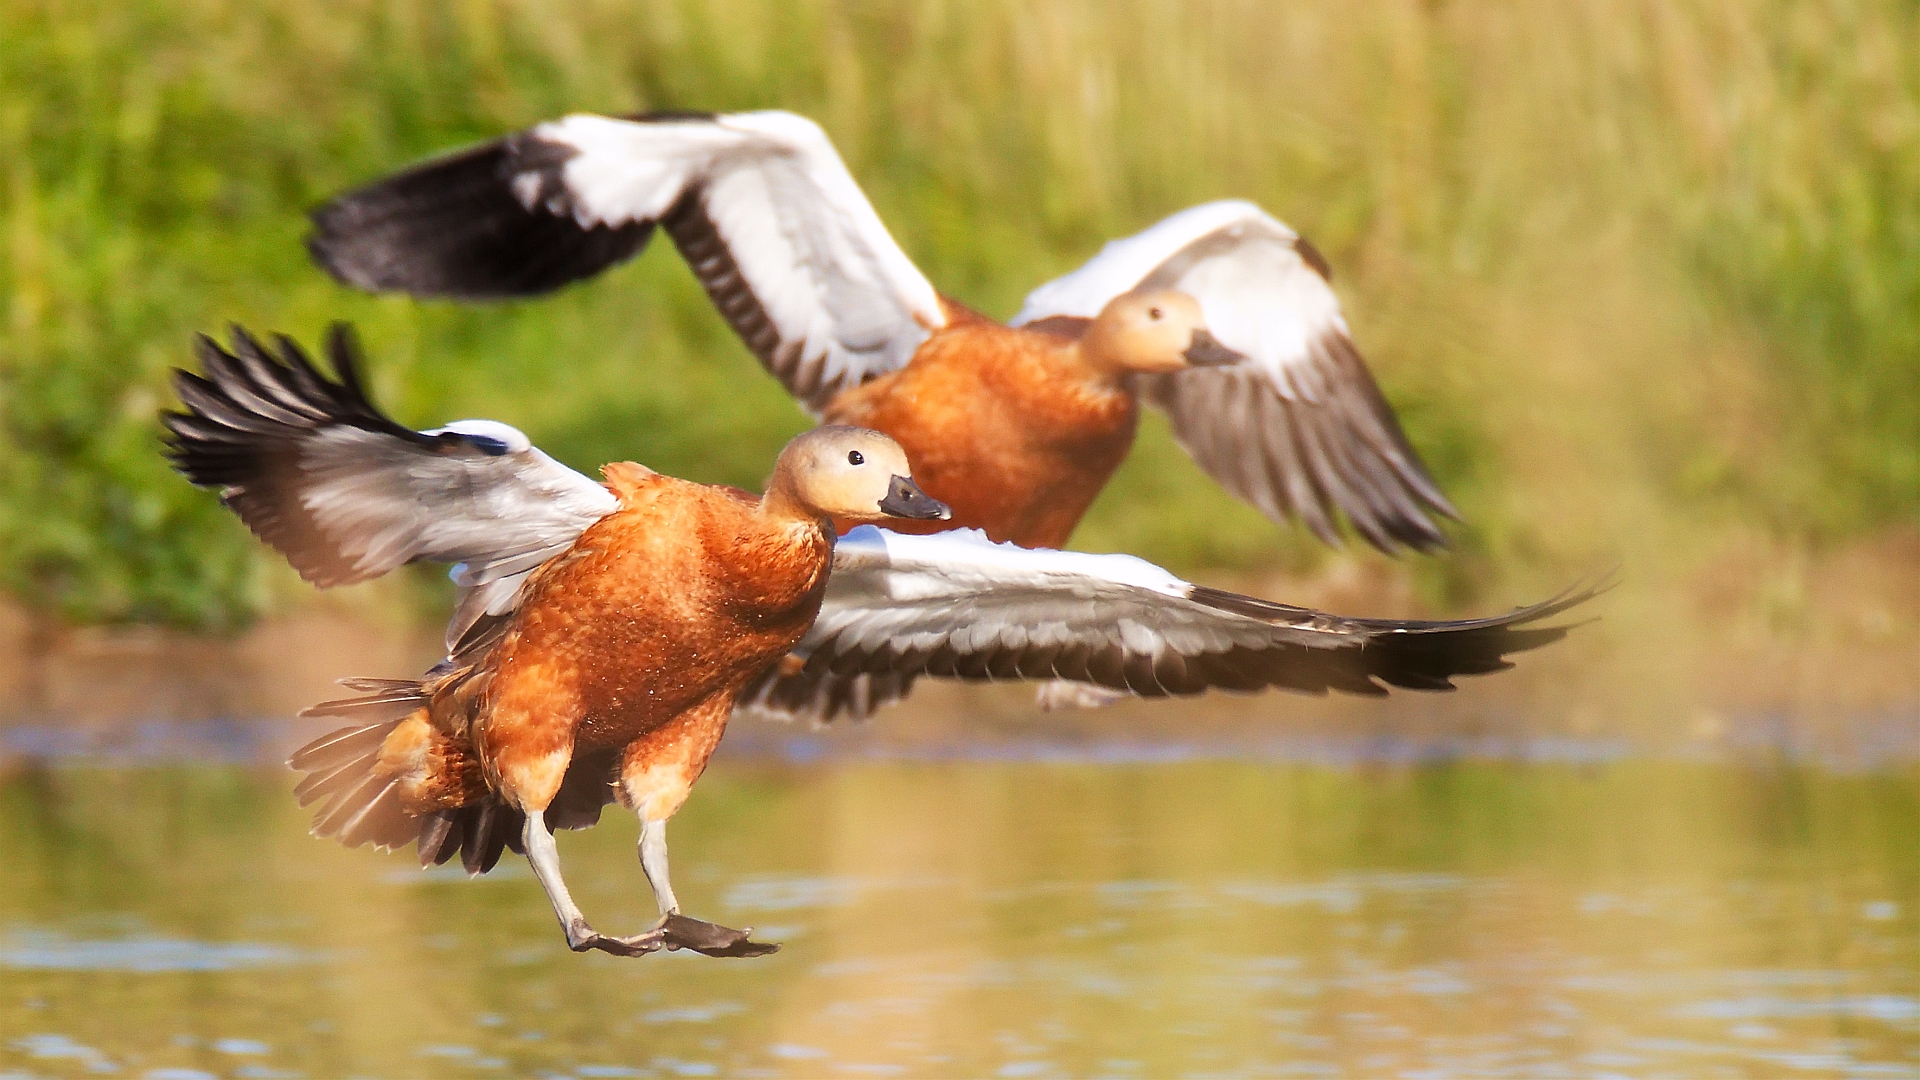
{"x": 604, "y": 671}
{"x": 1220, "y": 315}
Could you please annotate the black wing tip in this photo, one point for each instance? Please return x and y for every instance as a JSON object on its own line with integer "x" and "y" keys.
{"x": 347, "y": 357}
{"x": 1583, "y": 589}
{"x": 331, "y": 250}
{"x": 1326, "y": 455}
{"x": 456, "y": 227}
{"x": 1409, "y": 654}
{"x": 1250, "y": 606}
{"x": 1362, "y": 464}
{"x": 249, "y": 400}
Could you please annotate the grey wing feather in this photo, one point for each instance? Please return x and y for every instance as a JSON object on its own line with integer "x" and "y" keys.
{"x": 1300, "y": 429}
{"x": 956, "y": 606}
{"x": 325, "y": 478}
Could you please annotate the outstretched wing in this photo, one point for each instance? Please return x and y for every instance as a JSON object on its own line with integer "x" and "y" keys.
{"x": 760, "y": 205}
{"x": 1299, "y": 430}
{"x": 326, "y": 479}
{"x": 956, "y": 605}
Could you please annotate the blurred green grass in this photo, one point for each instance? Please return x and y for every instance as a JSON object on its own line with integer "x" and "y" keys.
{"x": 1637, "y": 275}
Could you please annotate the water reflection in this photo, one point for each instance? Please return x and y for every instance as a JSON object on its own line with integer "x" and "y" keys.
{"x": 56, "y": 952}
{"x": 999, "y": 919}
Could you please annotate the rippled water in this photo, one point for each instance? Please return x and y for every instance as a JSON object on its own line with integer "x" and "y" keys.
{"x": 998, "y": 918}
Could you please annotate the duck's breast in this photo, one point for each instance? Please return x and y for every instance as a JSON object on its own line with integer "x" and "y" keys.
{"x": 645, "y": 617}
{"x": 998, "y": 426}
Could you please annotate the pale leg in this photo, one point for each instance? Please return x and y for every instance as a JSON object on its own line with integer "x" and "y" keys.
{"x": 544, "y": 854}
{"x": 653, "y": 859}
{"x": 677, "y": 931}
{"x": 656, "y": 774}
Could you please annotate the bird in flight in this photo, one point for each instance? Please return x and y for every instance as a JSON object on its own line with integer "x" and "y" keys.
{"x": 1219, "y": 315}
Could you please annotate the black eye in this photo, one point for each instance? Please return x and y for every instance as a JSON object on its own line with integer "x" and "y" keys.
{"x": 854, "y": 458}
{"x": 1153, "y": 313}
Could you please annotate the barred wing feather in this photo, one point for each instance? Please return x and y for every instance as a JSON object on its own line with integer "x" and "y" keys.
{"x": 955, "y": 605}
{"x": 1300, "y": 429}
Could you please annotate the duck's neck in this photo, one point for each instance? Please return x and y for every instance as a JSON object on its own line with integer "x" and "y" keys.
{"x": 1090, "y": 363}
{"x": 781, "y": 561}
{"x": 780, "y": 508}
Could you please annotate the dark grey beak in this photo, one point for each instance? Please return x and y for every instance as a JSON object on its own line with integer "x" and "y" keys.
{"x": 906, "y": 500}
{"x": 1206, "y": 351}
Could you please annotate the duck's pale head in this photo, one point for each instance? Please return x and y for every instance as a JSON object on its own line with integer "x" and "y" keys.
{"x": 852, "y": 474}
{"x": 1156, "y": 330}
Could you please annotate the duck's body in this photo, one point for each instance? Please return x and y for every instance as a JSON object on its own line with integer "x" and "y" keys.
{"x": 603, "y": 632}
{"x": 615, "y": 676}
{"x": 611, "y": 680}
{"x": 1011, "y": 427}
{"x": 621, "y": 663}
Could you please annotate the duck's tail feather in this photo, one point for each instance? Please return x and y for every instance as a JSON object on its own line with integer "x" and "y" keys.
{"x": 382, "y": 699}
{"x": 363, "y": 800}
{"x": 480, "y": 833}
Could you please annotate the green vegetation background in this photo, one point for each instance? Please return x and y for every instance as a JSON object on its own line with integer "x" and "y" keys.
{"x": 1640, "y": 276}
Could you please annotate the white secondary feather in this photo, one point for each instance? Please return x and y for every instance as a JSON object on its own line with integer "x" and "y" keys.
{"x": 1259, "y": 295}
{"x": 959, "y": 590}
{"x": 382, "y": 501}
{"x": 346, "y": 494}
{"x": 838, "y": 290}
{"x": 918, "y": 568}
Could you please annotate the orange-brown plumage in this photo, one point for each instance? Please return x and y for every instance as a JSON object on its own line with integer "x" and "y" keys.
{"x": 662, "y": 609}
{"x": 602, "y": 632}
{"x": 1015, "y": 428}
{"x": 611, "y": 677}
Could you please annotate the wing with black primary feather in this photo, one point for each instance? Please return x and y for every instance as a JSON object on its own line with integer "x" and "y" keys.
{"x": 326, "y": 479}
{"x": 759, "y": 204}
{"x": 464, "y": 210}
{"x": 1299, "y": 429}
{"x": 954, "y": 605}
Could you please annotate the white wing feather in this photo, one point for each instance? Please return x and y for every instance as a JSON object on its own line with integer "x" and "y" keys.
{"x": 844, "y": 301}
{"x": 346, "y": 494}
{"x": 1301, "y": 429}
{"x": 1260, "y": 295}
{"x": 898, "y": 608}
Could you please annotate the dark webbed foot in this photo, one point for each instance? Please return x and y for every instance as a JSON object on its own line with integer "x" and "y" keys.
{"x": 676, "y": 931}
{"x": 679, "y": 932}
{"x": 582, "y": 938}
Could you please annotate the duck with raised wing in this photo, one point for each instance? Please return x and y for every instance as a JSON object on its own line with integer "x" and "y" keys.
{"x": 1220, "y": 315}
{"x": 603, "y": 633}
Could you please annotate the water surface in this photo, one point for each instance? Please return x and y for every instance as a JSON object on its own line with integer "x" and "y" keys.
{"x": 997, "y": 918}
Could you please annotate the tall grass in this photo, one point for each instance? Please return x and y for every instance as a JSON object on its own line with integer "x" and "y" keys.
{"x": 1632, "y": 272}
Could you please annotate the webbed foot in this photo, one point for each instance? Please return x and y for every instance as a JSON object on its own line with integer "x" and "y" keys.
{"x": 582, "y": 938}
{"x": 680, "y": 932}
